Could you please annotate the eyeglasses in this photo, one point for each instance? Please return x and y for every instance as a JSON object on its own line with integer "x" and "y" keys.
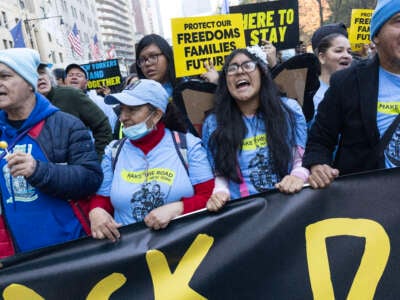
{"x": 247, "y": 66}
{"x": 151, "y": 59}
{"x": 79, "y": 75}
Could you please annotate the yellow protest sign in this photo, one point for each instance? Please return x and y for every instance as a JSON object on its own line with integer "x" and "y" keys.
{"x": 360, "y": 28}
{"x": 199, "y": 39}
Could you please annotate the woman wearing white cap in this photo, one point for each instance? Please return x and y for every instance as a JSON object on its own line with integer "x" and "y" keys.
{"x": 148, "y": 180}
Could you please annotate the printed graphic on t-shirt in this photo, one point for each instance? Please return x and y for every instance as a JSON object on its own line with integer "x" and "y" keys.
{"x": 253, "y": 143}
{"x": 392, "y": 150}
{"x": 389, "y": 108}
{"x": 260, "y": 170}
{"x": 153, "y": 187}
{"x": 157, "y": 174}
{"x": 18, "y": 188}
{"x": 146, "y": 199}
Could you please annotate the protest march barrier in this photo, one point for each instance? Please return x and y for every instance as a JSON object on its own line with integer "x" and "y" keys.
{"x": 341, "y": 242}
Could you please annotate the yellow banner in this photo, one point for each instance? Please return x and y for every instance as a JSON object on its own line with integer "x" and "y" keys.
{"x": 258, "y": 141}
{"x": 389, "y": 108}
{"x": 360, "y": 28}
{"x": 157, "y": 174}
{"x": 200, "y": 39}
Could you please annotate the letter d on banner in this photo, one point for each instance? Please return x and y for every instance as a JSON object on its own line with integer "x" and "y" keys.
{"x": 373, "y": 261}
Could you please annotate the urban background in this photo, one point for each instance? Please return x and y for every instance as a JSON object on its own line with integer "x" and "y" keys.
{"x": 88, "y": 30}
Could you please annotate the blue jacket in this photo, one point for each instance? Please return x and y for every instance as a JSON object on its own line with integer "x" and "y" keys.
{"x": 71, "y": 169}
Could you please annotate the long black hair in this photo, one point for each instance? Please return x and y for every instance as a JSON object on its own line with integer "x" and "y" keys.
{"x": 227, "y": 139}
{"x": 165, "y": 49}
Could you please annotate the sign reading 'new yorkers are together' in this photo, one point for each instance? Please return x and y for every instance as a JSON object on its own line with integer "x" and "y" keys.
{"x": 103, "y": 73}
{"x": 200, "y": 39}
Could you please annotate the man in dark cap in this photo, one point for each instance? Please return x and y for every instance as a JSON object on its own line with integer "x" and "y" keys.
{"x": 361, "y": 106}
{"x": 77, "y": 103}
{"x": 77, "y": 77}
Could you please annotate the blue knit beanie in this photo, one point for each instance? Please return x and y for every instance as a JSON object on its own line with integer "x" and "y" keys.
{"x": 385, "y": 9}
{"x": 24, "y": 62}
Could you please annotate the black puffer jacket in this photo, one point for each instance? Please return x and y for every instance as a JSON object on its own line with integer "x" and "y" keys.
{"x": 73, "y": 170}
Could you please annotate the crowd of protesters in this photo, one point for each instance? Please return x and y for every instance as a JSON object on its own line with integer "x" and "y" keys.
{"x": 62, "y": 171}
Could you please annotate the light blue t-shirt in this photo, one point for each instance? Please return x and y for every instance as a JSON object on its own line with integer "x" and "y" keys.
{"x": 254, "y": 159}
{"x": 168, "y": 87}
{"x": 317, "y": 99}
{"x": 35, "y": 219}
{"x": 387, "y": 110}
{"x": 142, "y": 182}
{"x": 107, "y": 109}
{"x": 319, "y": 95}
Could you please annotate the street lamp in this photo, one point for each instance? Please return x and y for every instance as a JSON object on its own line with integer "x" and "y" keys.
{"x": 28, "y": 27}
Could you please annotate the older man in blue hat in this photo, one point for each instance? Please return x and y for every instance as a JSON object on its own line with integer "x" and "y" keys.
{"x": 48, "y": 159}
{"x": 361, "y": 107}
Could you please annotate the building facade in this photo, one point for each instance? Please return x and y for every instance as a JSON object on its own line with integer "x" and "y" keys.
{"x": 46, "y": 25}
{"x": 116, "y": 25}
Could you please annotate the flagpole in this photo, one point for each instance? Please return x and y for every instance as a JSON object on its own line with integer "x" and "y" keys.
{"x": 28, "y": 27}
{"x": 28, "y": 30}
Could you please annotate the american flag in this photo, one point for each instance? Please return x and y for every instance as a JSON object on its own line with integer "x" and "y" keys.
{"x": 111, "y": 52}
{"x": 95, "y": 48}
{"x": 74, "y": 39}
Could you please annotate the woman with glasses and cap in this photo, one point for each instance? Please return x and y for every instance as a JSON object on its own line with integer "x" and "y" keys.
{"x": 255, "y": 138}
{"x": 149, "y": 181}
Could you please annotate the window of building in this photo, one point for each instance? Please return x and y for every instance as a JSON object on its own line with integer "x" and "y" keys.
{"x": 64, "y": 5}
{"x": 49, "y": 36}
{"x": 53, "y": 57}
{"x": 60, "y": 56}
{"x": 82, "y": 17}
{"x": 74, "y": 11}
{"x": 4, "y": 15}
{"x": 5, "y": 44}
{"x": 11, "y": 44}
